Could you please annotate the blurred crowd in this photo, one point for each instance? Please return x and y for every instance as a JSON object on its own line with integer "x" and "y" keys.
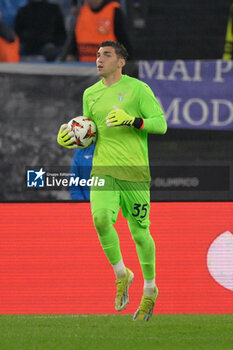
{"x": 58, "y": 30}
{"x": 39, "y": 29}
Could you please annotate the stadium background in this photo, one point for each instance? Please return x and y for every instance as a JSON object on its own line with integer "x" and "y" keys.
{"x": 37, "y": 255}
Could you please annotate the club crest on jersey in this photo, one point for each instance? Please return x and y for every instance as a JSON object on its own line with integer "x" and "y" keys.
{"x": 121, "y": 96}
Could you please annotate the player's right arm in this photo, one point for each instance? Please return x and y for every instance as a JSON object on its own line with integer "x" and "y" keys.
{"x": 86, "y": 111}
{"x": 66, "y": 137}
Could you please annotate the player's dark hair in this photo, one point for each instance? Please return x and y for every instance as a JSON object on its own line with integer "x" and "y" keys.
{"x": 119, "y": 48}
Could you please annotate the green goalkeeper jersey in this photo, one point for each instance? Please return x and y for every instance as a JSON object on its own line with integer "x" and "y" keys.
{"x": 122, "y": 151}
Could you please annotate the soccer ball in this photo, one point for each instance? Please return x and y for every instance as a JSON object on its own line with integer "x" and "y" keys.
{"x": 84, "y": 131}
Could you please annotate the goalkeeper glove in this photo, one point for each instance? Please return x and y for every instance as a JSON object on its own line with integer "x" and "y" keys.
{"x": 119, "y": 117}
{"x": 66, "y": 137}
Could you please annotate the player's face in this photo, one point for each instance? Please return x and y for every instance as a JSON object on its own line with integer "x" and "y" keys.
{"x": 108, "y": 62}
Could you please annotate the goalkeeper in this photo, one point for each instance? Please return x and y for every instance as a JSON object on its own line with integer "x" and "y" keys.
{"x": 124, "y": 110}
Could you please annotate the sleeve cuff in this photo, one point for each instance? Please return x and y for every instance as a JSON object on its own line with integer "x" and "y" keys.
{"x": 138, "y": 123}
{"x": 143, "y": 123}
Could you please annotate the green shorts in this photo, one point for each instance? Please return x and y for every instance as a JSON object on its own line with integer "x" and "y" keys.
{"x": 132, "y": 197}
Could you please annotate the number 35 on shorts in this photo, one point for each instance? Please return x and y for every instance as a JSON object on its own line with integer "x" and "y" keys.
{"x": 140, "y": 211}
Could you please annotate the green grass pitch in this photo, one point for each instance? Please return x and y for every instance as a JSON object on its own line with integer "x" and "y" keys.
{"x": 110, "y": 332}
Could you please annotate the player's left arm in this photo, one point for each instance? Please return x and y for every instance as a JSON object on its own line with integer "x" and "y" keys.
{"x": 152, "y": 120}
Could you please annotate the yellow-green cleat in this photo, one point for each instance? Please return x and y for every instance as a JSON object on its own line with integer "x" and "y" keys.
{"x": 145, "y": 310}
{"x": 122, "y": 297}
